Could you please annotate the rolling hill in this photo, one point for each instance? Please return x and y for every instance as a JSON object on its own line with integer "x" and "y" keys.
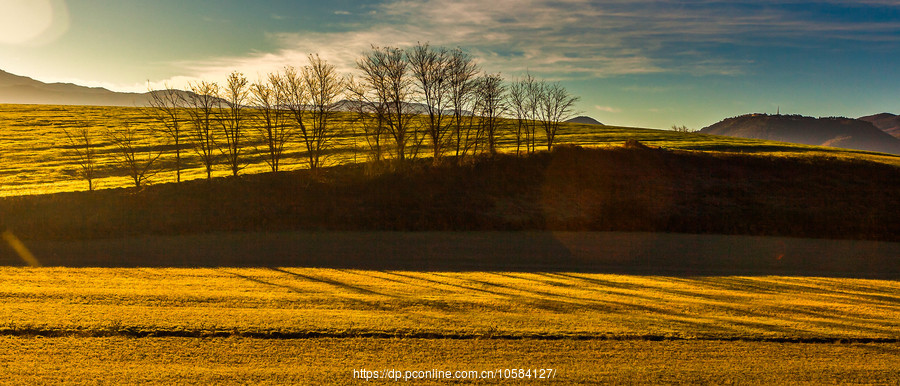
{"x": 584, "y": 120}
{"x": 833, "y": 131}
{"x": 637, "y": 189}
{"x": 887, "y": 122}
{"x": 24, "y": 90}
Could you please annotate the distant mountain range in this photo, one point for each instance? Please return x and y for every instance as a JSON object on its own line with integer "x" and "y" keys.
{"x": 24, "y": 90}
{"x": 17, "y": 89}
{"x": 887, "y": 122}
{"x": 880, "y": 132}
{"x": 834, "y": 132}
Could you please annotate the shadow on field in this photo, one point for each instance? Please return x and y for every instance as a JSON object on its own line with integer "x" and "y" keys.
{"x": 340, "y": 285}
{"x": 611, "y": 252}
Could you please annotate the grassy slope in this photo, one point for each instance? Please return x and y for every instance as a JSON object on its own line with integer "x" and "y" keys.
{"x": 709, "y": 185}
{"x": 36, "y": 157}
{"x": 275, "y": 302}
{"x": 572, "y": 189}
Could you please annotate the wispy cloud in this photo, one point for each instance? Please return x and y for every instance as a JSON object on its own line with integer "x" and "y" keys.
{"x": 645, "y": 89}
{"x": 608, "y": 109}
{"x": 214, "y": 20}
{"x": 571, "y": 39}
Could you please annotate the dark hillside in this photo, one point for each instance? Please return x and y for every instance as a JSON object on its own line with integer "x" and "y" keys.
{"x": 570, "y": 189}
{"x": 887, "y": 122}
{"x": 584, "y": 120}
{"x": 835, "y": 132}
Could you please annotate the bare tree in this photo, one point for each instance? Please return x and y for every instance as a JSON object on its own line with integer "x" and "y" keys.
{"x": 431, "y": 69}
{"x": 490, "y": 105}
{"x": 269, "y": 98}
{"x": 82, "y": 144}
{"x": 556, "y": 105}
{"x": 534, "y": 92}
{"x": 324, "y": 87}
{"x": 462, "y": 71}
{"x": 167, "y": 106}
{"x": 233, "y": 122}
{"x": 203, "y": 105}
{"x": 134, "y": 153}
{"x": 682, "y": 129}
{"x": 518, "y": 105}
{"x": 296, "y": 97}
{"x": 386, "y": 72}
{"x": 370, "y": 114}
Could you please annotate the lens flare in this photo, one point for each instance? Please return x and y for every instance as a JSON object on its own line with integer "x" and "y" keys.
{"x": 31, "y": 21}
{"x": 20, "y": 248}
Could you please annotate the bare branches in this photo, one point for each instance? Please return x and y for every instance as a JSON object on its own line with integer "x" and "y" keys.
{"x": 167, "y": 106}
{"x": 682, "y": 129}
{"x": 370, "y": 118}
{"x": 82, "y": 143}
{"x": 270, "y": 98}
{"x": 137, "y": 162}
{"x": 490, "y": 97}
{"x": 462, "y": 71}
{"x": 295, "y": 99}
{"x": 386, "y": 73}
{"x": 237, "y": 93}
{"x": 555, "y": 105}
{"x": 324, "y": 87}
{"x": 518, "y": 106}
{"x": 534, "y": 92}
{"x": 204, "y": 103}
{"x": 431, "y": 69}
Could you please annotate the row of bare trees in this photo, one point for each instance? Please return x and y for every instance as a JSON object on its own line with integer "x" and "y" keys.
{"x": 230, "y": 120}
{"x": 402, "y": 103}
{"x": 133, "y": 151}
{"x": 462, "y": 108}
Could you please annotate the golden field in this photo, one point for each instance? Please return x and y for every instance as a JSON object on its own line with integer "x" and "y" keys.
{"x": 234, "y": 360}
{"x": 300, "y": 302}
{"x": 306, "y": 325}
{"x": 781, "y": 310}
{"x": 36, "y": 157}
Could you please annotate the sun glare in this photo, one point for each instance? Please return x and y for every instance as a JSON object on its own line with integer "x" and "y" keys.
{"x": 26, "y": 21}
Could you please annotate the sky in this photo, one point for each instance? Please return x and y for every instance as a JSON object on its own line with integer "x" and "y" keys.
{"x": 632, "y": 63}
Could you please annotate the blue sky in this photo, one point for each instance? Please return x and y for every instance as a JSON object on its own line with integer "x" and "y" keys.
{"x": 637, "y": 63}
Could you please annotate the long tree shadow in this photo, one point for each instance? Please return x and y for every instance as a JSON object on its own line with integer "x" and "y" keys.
{"x": 335, "y": 283}
{"x": 259, "y": 281}
{"x": 369, "y": 274}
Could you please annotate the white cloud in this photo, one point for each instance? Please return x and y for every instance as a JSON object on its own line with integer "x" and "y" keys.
{"x": 608, "y": 109}
{"x": 507, "y": 36}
